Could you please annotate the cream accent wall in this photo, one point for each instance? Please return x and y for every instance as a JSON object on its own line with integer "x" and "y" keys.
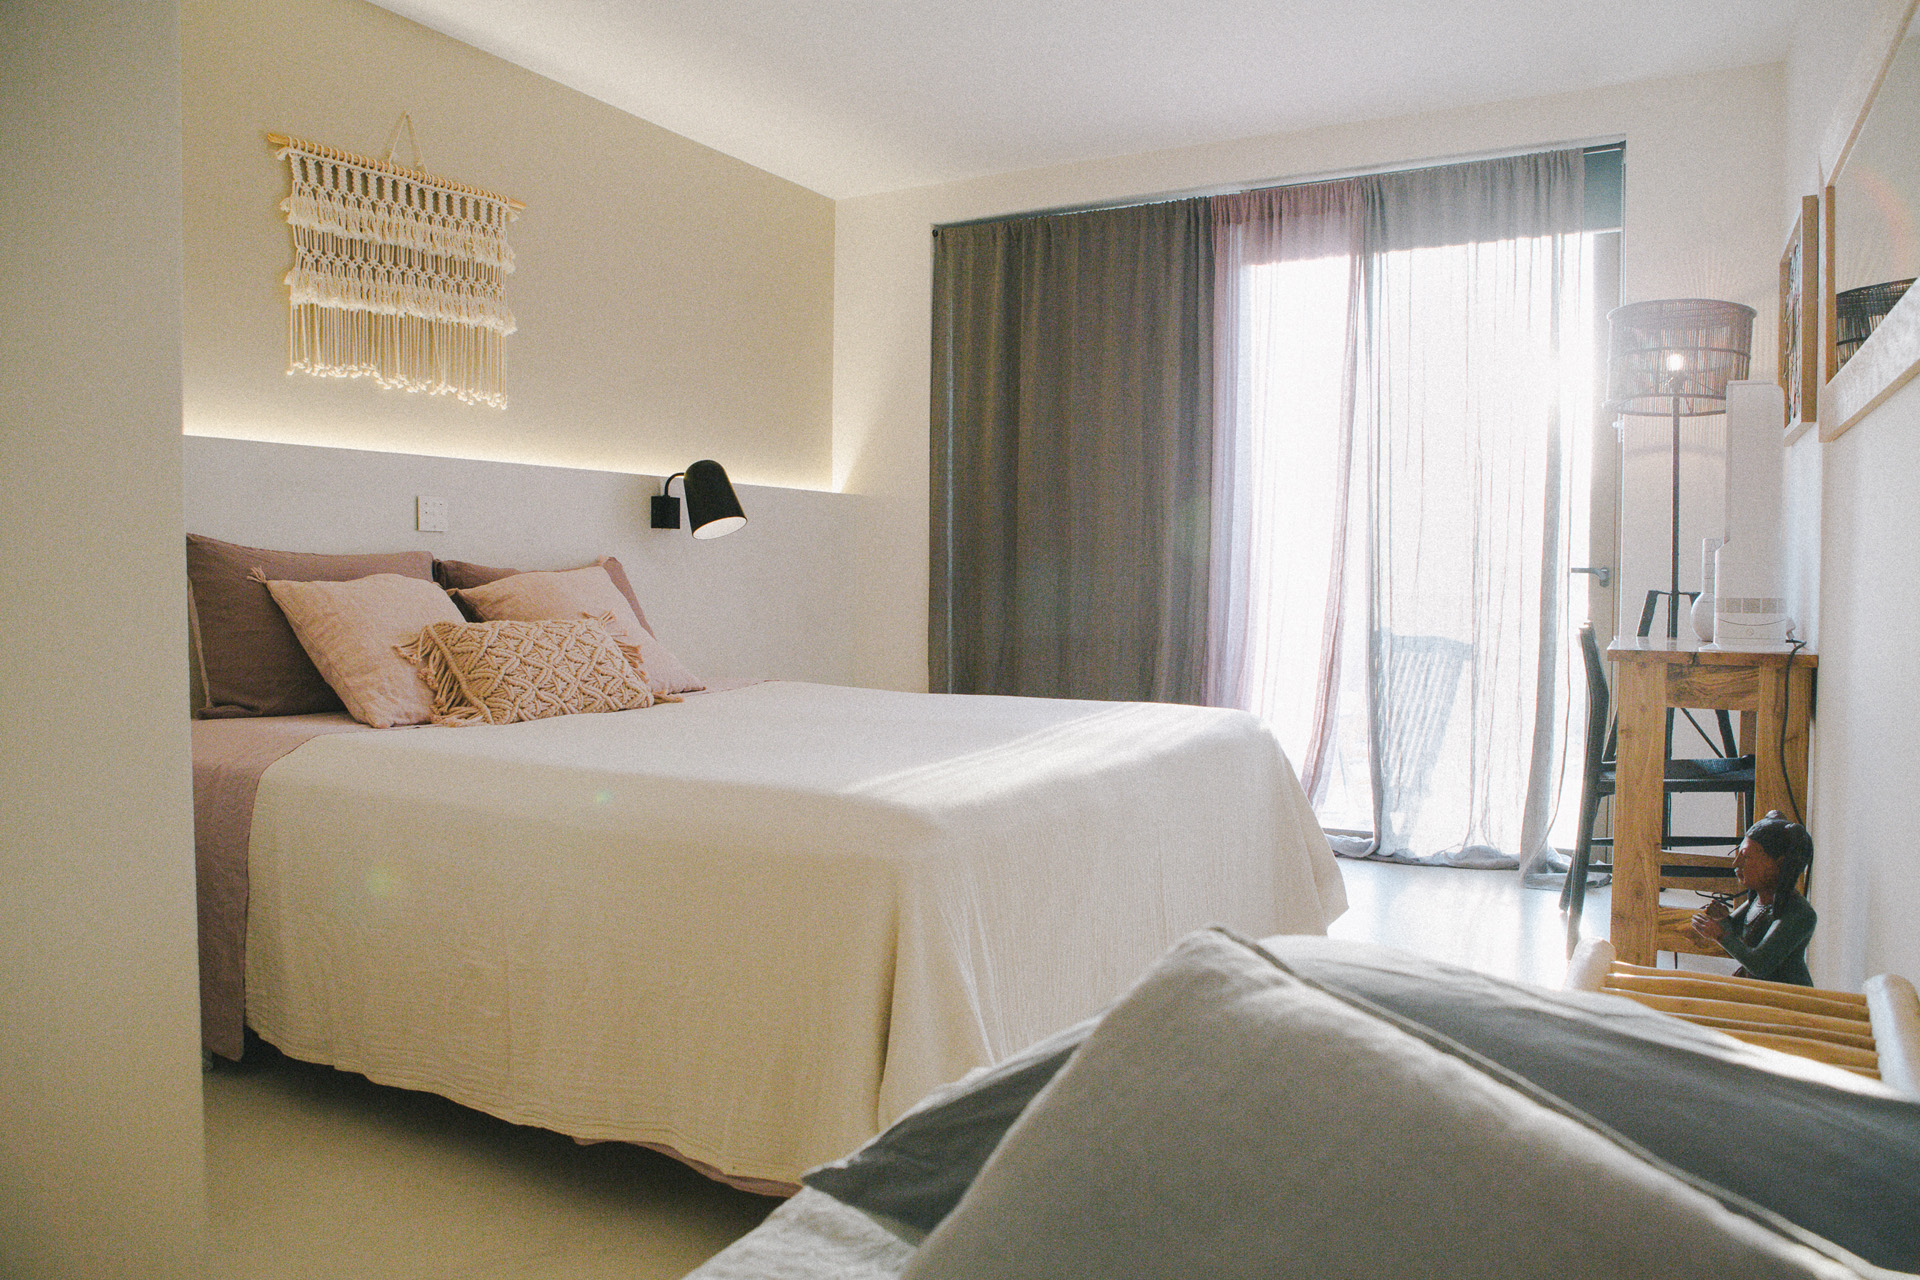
{"x": 1703, "y": 173}
{"x": 674, "y": 303}
{"x": 100, "y": 1121}
{"x": 1854, "y": 516}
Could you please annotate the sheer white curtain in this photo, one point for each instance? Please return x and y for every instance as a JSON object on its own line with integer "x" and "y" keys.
{"x": 1391, "y": 595}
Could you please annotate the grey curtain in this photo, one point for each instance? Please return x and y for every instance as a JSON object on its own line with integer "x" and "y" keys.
{"x": 1072, "y": 454}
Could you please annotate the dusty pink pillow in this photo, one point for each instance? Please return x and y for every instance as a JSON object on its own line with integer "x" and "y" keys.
{"x": 351, "y": 630}
{"x": 251, "y": 663}
{"x": 579, "y": 593}
{"x": 456, "y": 575}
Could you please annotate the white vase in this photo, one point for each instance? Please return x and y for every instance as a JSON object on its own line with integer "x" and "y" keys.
{"x": 1703, "y": 606}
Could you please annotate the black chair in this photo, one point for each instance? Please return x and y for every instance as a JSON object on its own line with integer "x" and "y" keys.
{"x": 1727, "y": 746}
{"x": 1726, "y": 775}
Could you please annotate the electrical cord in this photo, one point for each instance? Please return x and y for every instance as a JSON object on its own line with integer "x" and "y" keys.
{"x": 1786, "y": 705}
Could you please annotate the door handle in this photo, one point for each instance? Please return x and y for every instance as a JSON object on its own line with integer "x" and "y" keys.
{"x": 1602, "y": 572}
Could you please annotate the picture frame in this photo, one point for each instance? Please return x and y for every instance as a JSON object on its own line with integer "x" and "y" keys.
{"x": 1866, "y": 120}
{"x": 1800, "y": 298}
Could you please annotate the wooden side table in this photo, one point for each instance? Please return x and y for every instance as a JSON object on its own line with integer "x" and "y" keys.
{"x": 1657, "y": 673}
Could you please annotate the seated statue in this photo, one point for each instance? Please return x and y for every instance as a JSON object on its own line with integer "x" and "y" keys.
{"x": 1769, "y": 932}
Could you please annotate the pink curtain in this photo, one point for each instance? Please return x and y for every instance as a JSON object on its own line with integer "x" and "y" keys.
{"x": 1287, "y": 280}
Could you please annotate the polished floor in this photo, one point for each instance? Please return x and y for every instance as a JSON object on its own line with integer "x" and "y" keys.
{"x": 314, "y": 1174}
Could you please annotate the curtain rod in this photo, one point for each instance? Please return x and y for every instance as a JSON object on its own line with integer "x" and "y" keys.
{"x": 1589, "y": 146}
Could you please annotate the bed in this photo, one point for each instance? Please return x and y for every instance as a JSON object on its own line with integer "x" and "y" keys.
{"x": 750, "y": 927}
{"x": 1309, "y": 1107}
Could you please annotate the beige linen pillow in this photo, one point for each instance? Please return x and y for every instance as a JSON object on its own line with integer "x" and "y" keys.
{"x": 503, "y": 672}
{"x": 350, "y": 629}
{"x": 579, "y": 593}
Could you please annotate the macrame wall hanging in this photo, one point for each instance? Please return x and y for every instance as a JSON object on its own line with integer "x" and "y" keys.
{"x": 397, "y": 275}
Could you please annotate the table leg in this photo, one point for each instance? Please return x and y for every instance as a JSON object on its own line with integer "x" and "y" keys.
{"x": 1639, "y": 793}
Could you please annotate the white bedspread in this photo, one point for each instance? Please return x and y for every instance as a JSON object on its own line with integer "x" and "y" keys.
{"x": 755, "y": 926}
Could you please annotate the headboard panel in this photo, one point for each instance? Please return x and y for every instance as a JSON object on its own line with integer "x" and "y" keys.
{"x": 769, "y": 600}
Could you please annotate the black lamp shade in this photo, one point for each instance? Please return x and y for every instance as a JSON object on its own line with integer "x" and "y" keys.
{"x": 712, "y": 507}
{"x": 1676, "y": 351}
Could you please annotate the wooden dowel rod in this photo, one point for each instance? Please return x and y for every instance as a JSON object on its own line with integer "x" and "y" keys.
{"x": 386, "y": 166}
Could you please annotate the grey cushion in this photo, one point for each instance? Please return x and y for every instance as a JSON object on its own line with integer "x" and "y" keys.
{"x": 1838, "y": 1161}
{"x": 1227, "y": 1119}
{"x": 1841, "y": 1160}
{"x": 810, "y": 1237}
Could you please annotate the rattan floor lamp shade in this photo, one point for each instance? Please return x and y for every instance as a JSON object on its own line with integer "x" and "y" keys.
{"x": 1673, "y": 358}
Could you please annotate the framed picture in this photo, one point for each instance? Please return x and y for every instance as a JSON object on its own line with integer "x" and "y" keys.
{"x": 1871, "y": 327}
{"x": 1800, "y": 319}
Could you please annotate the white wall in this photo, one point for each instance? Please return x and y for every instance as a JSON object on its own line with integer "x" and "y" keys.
{"x": 100, "y": 1146}
{"x": 1856, "y": 508}
{"x": 674, "y": 303}
{"x": 766, "y": 600}
{"x": 1703, "y": 173}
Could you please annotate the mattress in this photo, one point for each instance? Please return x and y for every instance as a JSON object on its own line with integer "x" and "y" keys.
{"x": 753, "y": 927}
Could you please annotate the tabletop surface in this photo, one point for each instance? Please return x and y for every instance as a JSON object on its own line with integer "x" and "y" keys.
{"x": 1695, "y": 653}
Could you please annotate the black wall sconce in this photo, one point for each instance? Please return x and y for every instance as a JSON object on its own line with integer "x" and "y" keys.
{"x": 712, "y": 507}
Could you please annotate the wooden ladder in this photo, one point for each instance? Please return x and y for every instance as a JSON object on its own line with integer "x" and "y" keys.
{"x": 1875, "y": 1033}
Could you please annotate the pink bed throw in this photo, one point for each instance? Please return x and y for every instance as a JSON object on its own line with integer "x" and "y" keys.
{"x": 228, "y": 758}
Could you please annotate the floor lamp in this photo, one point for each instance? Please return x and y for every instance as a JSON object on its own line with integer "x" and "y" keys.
{"x": 1673, "y": 358}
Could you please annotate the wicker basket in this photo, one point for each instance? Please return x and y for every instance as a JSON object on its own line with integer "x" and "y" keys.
{"x": 1858, "y": 312}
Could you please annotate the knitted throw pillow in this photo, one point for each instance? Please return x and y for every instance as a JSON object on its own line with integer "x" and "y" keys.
{"x": 502, "y": 672}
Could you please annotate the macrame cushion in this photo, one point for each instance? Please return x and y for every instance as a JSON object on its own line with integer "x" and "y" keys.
{"x": 350, "y": 629}
{"x": 580, "y": 593}
{"x": 503, "y": 672}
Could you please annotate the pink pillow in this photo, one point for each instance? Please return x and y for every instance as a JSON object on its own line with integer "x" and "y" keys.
{"x": 457, "y": 575}
{"x": 351, "y": 630}
{"x": 251, "y": 663}
{"x": 579, "y": 593}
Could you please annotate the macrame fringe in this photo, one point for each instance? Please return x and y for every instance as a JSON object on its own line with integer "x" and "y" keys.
{"x": 454, "y": 704}
{"x": 397, "y": 278}
{"x": 400, "y": 352}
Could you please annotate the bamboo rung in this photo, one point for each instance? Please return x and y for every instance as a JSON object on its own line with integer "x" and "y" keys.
{"x": 1851, "y": 1039}
{"x": 1790, "y": 1021}
{"x": 1758, "y": 986}
{"x": 1861, "y": 1060}
{"x": 1806, "y": 1004}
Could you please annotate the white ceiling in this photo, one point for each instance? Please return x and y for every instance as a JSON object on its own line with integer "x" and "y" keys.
{"x": 850, "y": 97}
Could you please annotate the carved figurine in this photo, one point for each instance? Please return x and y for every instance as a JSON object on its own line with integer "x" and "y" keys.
{"x": 1769, "y": 932}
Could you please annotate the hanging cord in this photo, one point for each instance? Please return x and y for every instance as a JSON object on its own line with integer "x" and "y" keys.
{"x": 413, "y": 141}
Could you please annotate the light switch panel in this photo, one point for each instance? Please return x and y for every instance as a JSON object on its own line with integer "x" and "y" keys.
{"x": 430, "y": 515}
